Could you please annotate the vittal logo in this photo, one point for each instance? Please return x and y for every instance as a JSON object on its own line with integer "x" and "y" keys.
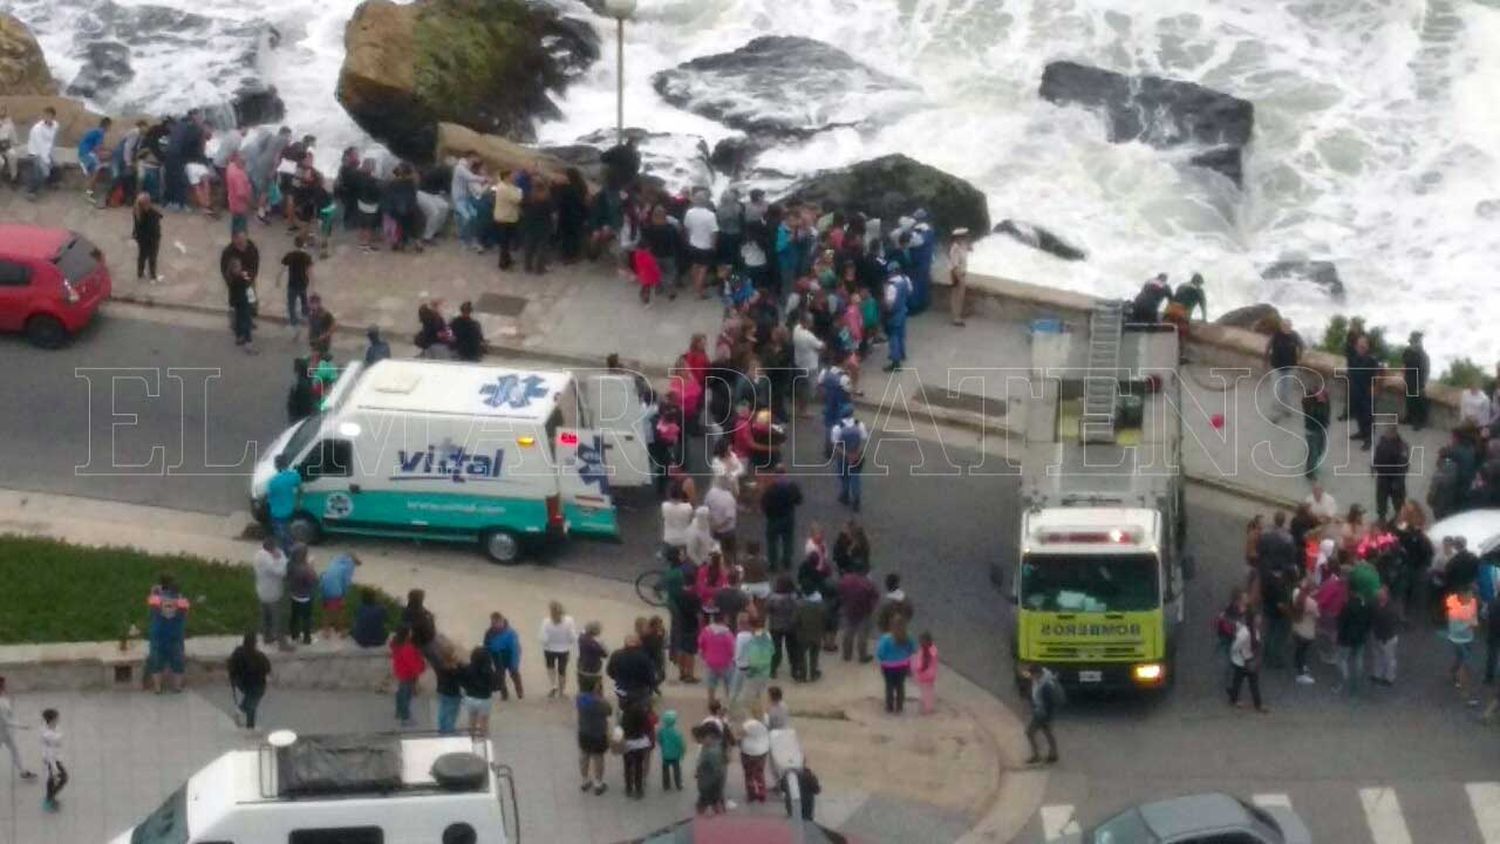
{"x": 513, "y": 391}
{"x": 447, "y": 461}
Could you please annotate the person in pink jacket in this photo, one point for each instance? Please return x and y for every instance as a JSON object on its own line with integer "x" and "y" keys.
{"x": 716, "y": 647}
{"x": 241, "y": 195}
{"x": 925, "y": 670}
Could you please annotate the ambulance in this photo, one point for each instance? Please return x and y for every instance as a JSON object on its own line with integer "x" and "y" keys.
{"x": 508, "y": 458}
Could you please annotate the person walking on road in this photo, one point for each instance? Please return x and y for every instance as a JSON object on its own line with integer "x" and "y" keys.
{"x": 849, "y": 438}
{"x": 270, "y": 590}
{"x": 1385, "y": 626}
{"x": 1315, "y": 412}
{"x": 1391, "y": 464}
{"x": 559, "y": 636}
{"x": 407, "y": 666}
{"x": 8, "y": 728}
{"x": 894, "y": 652}
{"x": 779, "y": 503}
{"x": 1283, "y": 355}
{"x": 1045, "y": 694}
{"x": 248, "y": 670}
{"x": 57, "y": 774}
{"x": 239, "y": 264}
{"x": 1244, "y": 656}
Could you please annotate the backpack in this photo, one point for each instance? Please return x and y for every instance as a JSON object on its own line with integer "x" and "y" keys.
{"x": 1224, "y": 627}
{"x": 851, "y": 441}
{"x": 759, "y": 654}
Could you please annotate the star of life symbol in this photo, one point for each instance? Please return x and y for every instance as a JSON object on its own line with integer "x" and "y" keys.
{"x": 513, "y": 391}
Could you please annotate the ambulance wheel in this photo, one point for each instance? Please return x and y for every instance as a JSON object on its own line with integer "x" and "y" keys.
{"x": 305, "y": 529}
{"x": 501, "y": 546}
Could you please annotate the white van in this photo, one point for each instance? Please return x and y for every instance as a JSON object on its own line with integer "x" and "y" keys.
{"x": 461, "y": 452}
{"x": 364, "y": 789}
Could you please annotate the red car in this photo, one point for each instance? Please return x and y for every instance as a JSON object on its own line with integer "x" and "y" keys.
{"x": 51, "y": 283}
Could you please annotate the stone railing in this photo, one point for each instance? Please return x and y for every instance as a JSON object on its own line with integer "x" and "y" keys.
{"x": 73, "y": 666}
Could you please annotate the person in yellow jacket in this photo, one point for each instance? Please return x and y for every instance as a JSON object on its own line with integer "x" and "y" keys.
{"x": 508, "y": 196}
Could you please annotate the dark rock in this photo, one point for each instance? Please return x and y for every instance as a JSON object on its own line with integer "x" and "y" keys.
{"x": 1161, "y": 112}
{"x": 489, "y": 66}
{"x": 1252, "y": 317}
{"x": 732, "y": 156}
{"x": 892, "y": 186}
{"x": 256, "y": 104}
{"x": 1322, "y": 273}
{"x": 106, "y": 66}
{"x": 785, "y": 86}
{"x": 1039, "y": 238}
{"x": 676, "y": 160}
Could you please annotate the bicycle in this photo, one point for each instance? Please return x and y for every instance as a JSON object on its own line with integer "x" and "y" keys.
{"x": 650, "y": 588}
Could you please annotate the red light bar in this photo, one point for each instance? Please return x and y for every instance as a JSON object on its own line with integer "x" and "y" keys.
{"x": 567, "y": 438}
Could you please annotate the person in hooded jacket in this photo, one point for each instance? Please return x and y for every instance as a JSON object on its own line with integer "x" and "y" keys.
{"x": 248, "y": 670}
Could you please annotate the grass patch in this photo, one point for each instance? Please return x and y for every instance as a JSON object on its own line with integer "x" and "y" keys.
{"x": 58, "y": 592}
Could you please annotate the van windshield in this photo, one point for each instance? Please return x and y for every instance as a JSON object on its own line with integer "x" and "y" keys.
{"x": 166, "y": 825}
{"x": 1089, "y": 583}
{"x": 303, "y": 437}
{"x": 77, "y": 260}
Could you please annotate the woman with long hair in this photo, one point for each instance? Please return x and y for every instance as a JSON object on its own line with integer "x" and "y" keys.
{"x": 146, "y": 232}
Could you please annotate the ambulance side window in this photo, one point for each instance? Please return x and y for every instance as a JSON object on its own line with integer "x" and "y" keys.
{"x": 341, "y": 835}
{"x": 330, "y": 459}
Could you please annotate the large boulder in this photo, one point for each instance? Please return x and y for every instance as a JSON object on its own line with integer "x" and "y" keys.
{"x": 892, "y": 186}
{"x": 1161, "y": 112}
{"x": 23, "y": 69}
{"x": 499, "y": 154}
{"x": 785, "y": 86}
{"x": 106, "y": 66}
{"x": 1039, "y": 238}
{"x": 484, "y": 64}
{"x": 1324, "y": 274}
{"x": 1261, "y": 317}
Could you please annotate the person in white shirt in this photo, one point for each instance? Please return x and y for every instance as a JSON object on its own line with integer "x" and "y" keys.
{"x": 806, "y": 348}
{"x": 1474, "y": 406}
{"x": 1321, "y": 504}
{"x": 10, "y": 153}
{"x": 57, "y": 775}
{"x": 727, "y": 467}
{"x": 466, "y": 187}
{"x": 270, "y": 590}
{"x": 702, "y": 226}
{"x": 723, "y": 520}
{"x": 559, "y": 636}
{"x": 39, "y": 144}
{"x": 958, "y": 273}
{"x": 676, "y": 518}
{"x": 8, "y": 728}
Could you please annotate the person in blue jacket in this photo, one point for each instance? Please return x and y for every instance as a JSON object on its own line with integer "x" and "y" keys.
{"x": 334, "y": 587}
{"x": 504, "y": 645}
{"x": 920, "y": 249}
{"x": 88, "y": 155}
{"x": 898, "y": 292}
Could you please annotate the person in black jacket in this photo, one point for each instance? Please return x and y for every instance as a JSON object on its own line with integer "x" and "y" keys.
{"x": 239, "y": 264}
{"x": 248, "y": 670}
{"x": 1415, "y": 367}
{"x": 572, "y": 200}
{"x": 1045, "y": 696}
{"x": 1315, "y": 413}
{"x": 1283, "y": 355}
{"x": 399, "y": 202}
{"x": 633, "y": 673}
{"x": 146, "y": 232}
{"x": 1392, "y": 462}
{"x": 300, "y": 403}
{"x": 1353, "y": 633}
{"x": 1364, "y": 371}
{"x": 468, "y": 336}
{"x": 478, "y": 683}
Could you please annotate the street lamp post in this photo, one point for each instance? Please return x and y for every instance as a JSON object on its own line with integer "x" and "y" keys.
{"x": 619, "y": 10}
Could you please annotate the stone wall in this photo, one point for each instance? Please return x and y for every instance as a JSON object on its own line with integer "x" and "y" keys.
{"x": 75, "y": 666}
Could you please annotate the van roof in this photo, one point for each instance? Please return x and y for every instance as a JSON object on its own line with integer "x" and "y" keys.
{"x": 457, "y": 389}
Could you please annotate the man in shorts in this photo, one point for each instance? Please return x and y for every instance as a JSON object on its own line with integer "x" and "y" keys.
{"x": 702, "y": 226}
{"x": 167, "y": 635}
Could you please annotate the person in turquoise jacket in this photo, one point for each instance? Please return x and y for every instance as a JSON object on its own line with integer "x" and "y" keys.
{"x": 673, "y": 748}
{"x": 894, "y": 652}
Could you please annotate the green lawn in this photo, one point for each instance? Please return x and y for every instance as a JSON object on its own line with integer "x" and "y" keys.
{"x": 55, "y": 592}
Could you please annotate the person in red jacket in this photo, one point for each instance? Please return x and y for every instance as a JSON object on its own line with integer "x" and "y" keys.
{"x": 407, "y": 665}
{"x": 857, "y": 599}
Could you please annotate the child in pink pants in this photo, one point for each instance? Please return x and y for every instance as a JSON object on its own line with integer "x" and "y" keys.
{"x": 925, "y": 670}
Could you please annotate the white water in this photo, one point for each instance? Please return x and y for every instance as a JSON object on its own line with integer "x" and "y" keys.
{"x": 1377, "y": 131}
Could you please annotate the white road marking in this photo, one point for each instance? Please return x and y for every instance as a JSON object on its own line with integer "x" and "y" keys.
{"x": 1484, "y": 797}
{"x": 1383, "y": 814}
{"x": 1057, "y": 821}
{"x": 1264, "y": 800}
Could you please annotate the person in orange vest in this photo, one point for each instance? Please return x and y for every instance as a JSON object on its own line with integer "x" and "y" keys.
{"x": 167, "y": 634}
{"x": 1462, "y": 609}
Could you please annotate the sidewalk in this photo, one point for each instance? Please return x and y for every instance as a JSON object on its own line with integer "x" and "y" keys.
{"x": 943, "y": 775}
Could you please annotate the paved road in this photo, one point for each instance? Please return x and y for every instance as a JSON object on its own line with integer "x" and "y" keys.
{"x": 942, "y": 532}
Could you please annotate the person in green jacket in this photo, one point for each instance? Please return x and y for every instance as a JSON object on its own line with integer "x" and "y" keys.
{"x": 712, "y": 768}
{"x": 669, "y": 739}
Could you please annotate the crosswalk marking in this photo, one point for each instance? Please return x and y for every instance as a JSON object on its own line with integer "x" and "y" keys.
{"x": 1057, "y": 821}
{"x": 1383, "y": 814}
{"x": 1484, "y": 798}
{"x": 1264, "y": 800}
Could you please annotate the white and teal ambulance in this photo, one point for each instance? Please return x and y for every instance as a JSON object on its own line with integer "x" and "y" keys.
{"x": 506, "y": 457}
